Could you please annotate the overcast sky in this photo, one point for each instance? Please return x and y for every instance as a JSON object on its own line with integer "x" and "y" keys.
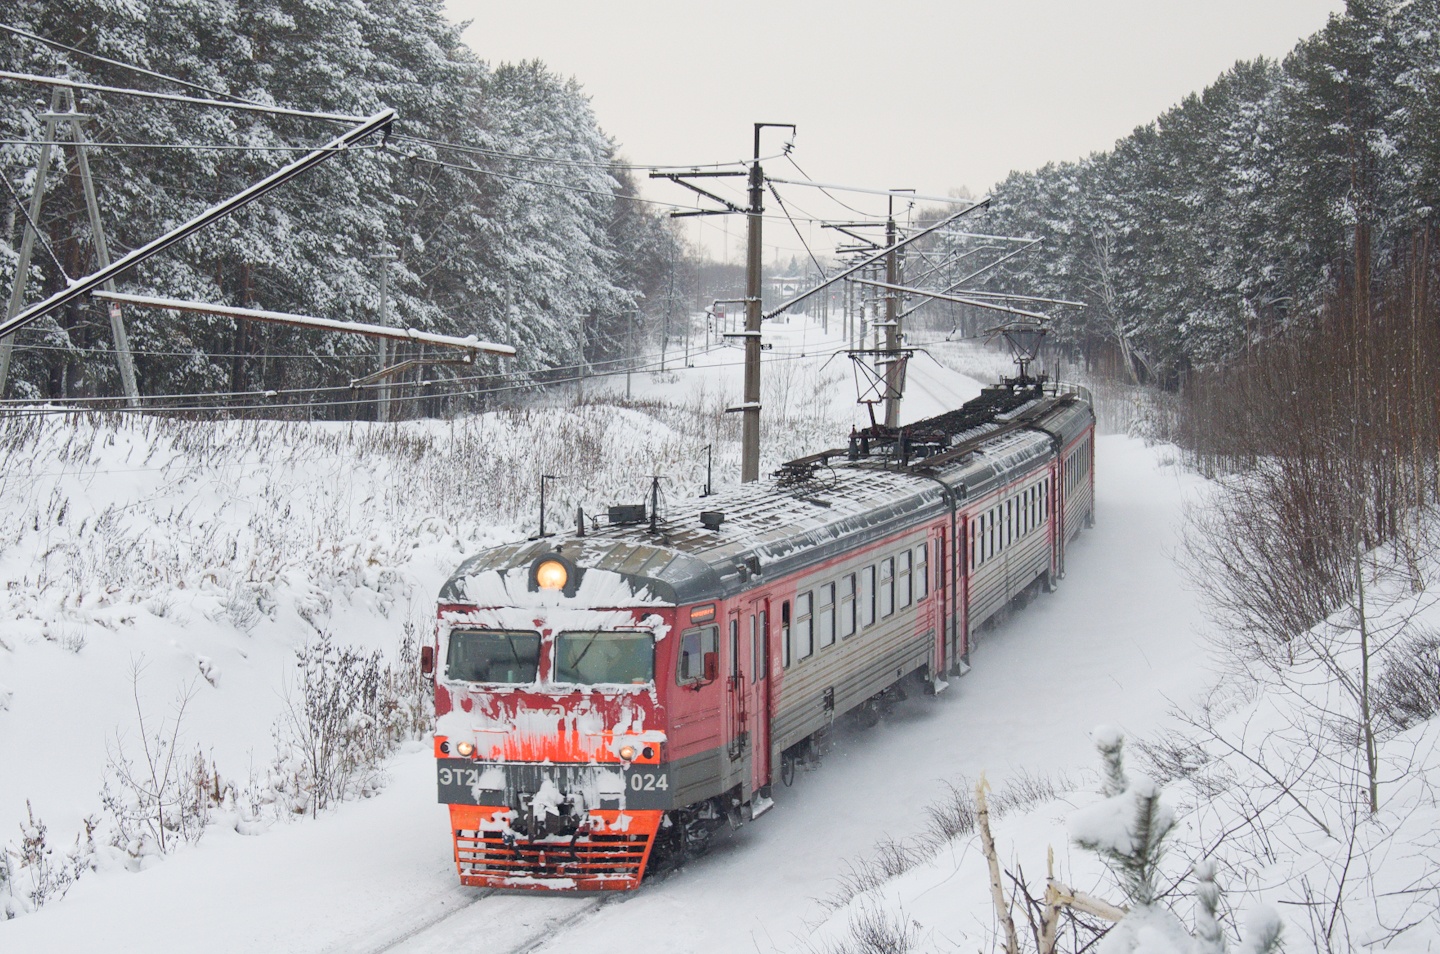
{"x": 923, "y": 94}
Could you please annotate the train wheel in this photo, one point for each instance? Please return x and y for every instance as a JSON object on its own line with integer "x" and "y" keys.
{"x": 787, "y": 768}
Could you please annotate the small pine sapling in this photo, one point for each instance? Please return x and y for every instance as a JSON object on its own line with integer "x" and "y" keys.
{"x": 1128, "y": 829}
{"x": 1209, "y": 937}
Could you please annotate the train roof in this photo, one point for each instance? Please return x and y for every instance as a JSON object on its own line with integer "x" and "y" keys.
{"x": 814, "y": 509}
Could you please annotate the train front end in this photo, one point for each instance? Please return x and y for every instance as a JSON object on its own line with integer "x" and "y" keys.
{"x": 549, "y": 740}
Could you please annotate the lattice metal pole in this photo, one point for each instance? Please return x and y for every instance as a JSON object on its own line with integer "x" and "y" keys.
{"x": 27, "y": 242}
{"x": 102, "y": 256}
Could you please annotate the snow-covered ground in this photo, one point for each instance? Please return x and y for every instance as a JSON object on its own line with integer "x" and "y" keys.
{"x": 210, "y": 554}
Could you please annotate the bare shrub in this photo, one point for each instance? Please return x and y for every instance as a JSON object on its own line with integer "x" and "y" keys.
{"x": 1172, "y": 756}
{"x": 162, "y": 798}
{"x": 953, "y": 815}
{"x": 411, "y": 692}
{"x": 32, "y": 874}
{"x": 328, "y": 732}
{"x": 1408, "y": 690}
{"x": 1273, "y": 552}
{"x": 247, "y": 603}
{"x": 875, "y": 930}
{"x": 889, "y": 859}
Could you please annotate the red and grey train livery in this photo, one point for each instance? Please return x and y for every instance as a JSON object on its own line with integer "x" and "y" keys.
{"x": 633, "y": 685}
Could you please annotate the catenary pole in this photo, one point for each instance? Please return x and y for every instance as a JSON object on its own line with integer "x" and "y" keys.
{"x": 892, "y": 322}
{"x": 750, "y": 423}
{"x": 27, "y": 241}
{"x": 102, "y": 256}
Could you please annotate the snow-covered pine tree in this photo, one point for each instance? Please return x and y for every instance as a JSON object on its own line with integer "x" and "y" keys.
{"x": 1127, "y": 829}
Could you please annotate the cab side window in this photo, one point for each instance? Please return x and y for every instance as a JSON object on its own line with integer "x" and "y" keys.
{"x": 694, "y": 645}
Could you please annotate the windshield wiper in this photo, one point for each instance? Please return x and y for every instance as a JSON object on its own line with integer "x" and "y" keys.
{"x": 575, "y": 666}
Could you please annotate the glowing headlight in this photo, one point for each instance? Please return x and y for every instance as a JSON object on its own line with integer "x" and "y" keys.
{"x": 551, "y": 575}
{"x": 465, "y": 749}
{"x": 627, "y": 753}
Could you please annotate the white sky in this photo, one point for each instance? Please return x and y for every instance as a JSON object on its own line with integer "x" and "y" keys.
{"x": 906, "y": 93}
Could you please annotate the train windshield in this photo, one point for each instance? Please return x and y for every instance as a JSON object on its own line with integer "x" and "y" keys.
{"x": 590, "y": 658}
{"x": 492, "y": 655}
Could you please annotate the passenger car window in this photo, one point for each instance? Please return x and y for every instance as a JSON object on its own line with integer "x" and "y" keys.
{"x": 867, "y": 596}
{"x": 826, "y": 615}
{"x": 847, "y": 605}
{"x": 804, "y": 626}
{"x": 887, "y": 586}
{"x": 492, "y": 655}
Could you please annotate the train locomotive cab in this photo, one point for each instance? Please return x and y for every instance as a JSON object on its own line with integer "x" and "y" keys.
{"x": 551, "y": 740}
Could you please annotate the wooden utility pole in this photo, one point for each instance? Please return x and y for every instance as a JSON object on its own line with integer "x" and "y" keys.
{"x": 580, "y": 376}
{"x": 382, "y": 409}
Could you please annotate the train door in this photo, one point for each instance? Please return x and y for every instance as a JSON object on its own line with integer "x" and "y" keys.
{"x": 1057, "y": 519}
{"x": 964, "y": 557}
{"x": 759, "y": 687}
{"x": 940, "y": 598}
{"x": 736, "y": 769}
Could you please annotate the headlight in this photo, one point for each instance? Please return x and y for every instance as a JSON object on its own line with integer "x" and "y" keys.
{"x": 627, "y": 753}
{"x": 551, "y": 575}
{"x": 465, "y": 749}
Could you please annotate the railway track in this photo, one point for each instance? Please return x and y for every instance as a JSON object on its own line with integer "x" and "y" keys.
{"x": 507, "y": 923}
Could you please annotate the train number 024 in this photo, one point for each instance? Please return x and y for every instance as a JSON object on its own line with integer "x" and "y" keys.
{"x": 648, "y": 782}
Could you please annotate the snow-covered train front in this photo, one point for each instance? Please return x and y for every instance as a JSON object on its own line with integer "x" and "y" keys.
{"x": 550, "y": 727}
{"x": 638, "y": 682}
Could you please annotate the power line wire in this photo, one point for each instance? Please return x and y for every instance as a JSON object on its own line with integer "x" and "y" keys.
{"x": 822, "y": 191}
{"x": 35, "y": 230}
{"x": 781, "y": 203}
{"x": 597, "y": 163}
{"x": 102, "y": 144}
{"x": 176, "y": 97}
{"x": 495, "y": 153}
{"x": 19, "y": 407}
{"x": 125, "y": 66}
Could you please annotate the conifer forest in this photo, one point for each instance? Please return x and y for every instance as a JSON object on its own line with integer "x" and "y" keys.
{"x": 483, "y": 243}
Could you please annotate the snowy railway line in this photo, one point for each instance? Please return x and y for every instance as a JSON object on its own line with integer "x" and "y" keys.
{"x": 453, "y": 928}
{"x": 376, "y": 874}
